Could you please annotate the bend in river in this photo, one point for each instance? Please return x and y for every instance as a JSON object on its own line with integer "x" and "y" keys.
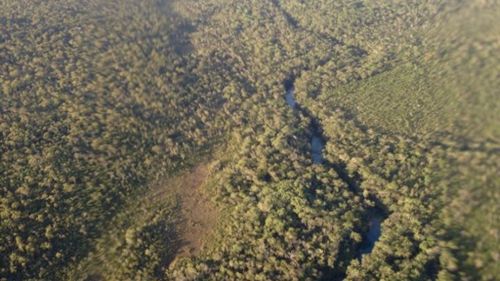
{"x": 317, "y": 144}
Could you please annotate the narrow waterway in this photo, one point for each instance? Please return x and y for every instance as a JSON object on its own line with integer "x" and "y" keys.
{"x": 290, "y": 95}
{"x": 317, "y": 144}
{"x": 373, "y": 234}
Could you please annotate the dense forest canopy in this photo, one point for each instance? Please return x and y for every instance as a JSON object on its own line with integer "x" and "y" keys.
{"x": 108, "y": 109}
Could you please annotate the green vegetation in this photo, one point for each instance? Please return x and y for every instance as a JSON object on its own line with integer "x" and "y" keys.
{"x": 102, "y": 101}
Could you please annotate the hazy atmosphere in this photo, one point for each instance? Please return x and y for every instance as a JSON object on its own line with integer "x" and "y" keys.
{"x": 319, "y": 140}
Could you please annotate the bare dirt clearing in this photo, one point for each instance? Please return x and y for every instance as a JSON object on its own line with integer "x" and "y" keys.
{"x": 198, "y": 214}
{"x": 195, "y": 218}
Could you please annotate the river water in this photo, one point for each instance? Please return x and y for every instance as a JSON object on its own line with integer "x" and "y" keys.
{"x": 290, "y": 95}
{"x": 373, "y": 234}
{"x": 317, "y": 145}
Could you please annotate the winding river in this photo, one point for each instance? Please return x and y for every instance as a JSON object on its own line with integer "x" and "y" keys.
{"x": 317, "y": 145}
